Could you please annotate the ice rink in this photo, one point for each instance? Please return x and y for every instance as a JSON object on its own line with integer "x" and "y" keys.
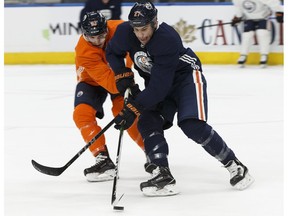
{"x": 246, "y": 107}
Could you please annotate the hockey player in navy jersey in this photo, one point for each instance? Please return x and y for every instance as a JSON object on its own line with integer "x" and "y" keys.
{"x": 174, "y": 83}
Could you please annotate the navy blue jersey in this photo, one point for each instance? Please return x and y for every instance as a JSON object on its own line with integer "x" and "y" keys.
{"x": 164, "y": 62}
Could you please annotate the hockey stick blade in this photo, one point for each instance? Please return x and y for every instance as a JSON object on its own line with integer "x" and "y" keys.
{"x": 56, "y": 171}
{"x": 116, "y": 206}
{"x": 53, "y": 171}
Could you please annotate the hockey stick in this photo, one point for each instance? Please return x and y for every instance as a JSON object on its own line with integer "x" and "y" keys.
{"x": 226, "y": 23}
{"x": 114, "y": 189}
{"x": 56, "y": 171}
{"x": 212, "y": 25}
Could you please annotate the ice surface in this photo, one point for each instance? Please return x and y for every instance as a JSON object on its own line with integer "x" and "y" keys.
{"x": 245, "y": 108}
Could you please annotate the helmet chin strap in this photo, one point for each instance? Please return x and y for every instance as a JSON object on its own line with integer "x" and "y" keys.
{"x": 86, "y": 39}
{"x": 154, "y": 24}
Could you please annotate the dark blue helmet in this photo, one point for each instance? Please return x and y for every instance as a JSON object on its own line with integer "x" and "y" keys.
{"x": 93, "y": 23}
{"x": 142, "y": 13}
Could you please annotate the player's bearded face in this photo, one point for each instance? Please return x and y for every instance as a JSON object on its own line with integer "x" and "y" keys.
{"x": 144, "y": 33}
{"x": 98, "y": 40}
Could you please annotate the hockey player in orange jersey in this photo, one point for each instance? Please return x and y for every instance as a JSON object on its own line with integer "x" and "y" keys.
{"x": 95, "y": 81}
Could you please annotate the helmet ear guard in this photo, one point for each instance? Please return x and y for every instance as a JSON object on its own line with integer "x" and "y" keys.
{"x": 94, "y": 23}
{"x": 142, "y": 13}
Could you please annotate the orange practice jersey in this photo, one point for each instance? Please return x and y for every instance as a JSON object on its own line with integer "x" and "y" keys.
{"x": 92, "y": 68}
{"x": 91, "y": 64}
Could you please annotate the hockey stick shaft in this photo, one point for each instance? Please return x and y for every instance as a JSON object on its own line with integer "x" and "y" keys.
{"x": 226, "y": 23}
{"x": 56, "y": 171}
{"x": 114, "y": 189}
{"x": 212, "y": 25}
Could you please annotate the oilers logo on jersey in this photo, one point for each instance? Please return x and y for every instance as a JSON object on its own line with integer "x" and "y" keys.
{"x": 143, "y": 61}
{"x": 249, "y": 6}
{"x": 79, "y": 93}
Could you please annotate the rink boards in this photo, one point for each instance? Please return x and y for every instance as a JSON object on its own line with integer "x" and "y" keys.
{"x": 49, "y": 33}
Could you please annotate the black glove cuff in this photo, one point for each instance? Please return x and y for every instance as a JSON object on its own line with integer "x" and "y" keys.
{"x": 125, "y": 75}
{"x": 122, "y": 70}
{"x": 235, "y": 20}
{"x": 135, "y": 90}
{"x": 280, "y": 17}
{"x": 134, "y": 107}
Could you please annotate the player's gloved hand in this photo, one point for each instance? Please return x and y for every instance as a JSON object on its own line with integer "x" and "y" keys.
{"x": 279, "y": 17}
{"x": 127, "y": 115}
{"x": 135, "y": 90}
{"x": 235, "y": 20}
{"x": 124, "y": 80}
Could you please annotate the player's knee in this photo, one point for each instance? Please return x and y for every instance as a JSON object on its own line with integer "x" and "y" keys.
{"x": 83, "y": 114}
{"x": 148, "y": 123}
{"x": 196, "y": 129}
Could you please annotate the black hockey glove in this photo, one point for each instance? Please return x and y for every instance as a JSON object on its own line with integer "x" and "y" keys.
{"x": 235, "y": 20}
{"x": 124, "y": 80}
{"x": 127, "y": 115}
{"x": 134, "y": 90}
{"x": 279, "y": 17}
